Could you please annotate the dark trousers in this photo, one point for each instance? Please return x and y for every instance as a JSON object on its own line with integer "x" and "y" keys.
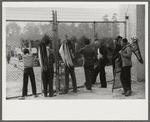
{"x": 95, "y": 74}
{"x": 100, "y": 69}
{"x": 47, "y": 78}
{"x": 125, "y": 78}
{"x": 88, "y": 70}
{"x": 70, "y": 70}
{"x": 28, "y": 72}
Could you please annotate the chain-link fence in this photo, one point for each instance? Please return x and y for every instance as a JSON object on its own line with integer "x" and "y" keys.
{"x": 27, "y": 34}
{"x": 21, "y": 35}
{"x": 104, "y": 32}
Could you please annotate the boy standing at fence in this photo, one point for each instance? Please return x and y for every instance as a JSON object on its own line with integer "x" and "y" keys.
{"x": 28, "y": 71}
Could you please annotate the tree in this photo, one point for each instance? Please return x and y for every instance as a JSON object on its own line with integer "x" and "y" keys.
{"x": 13, "y": 34}
{"x": 31, "y": 32}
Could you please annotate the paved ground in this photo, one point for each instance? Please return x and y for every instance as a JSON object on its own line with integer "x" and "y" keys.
{"x": 98, "y": 93}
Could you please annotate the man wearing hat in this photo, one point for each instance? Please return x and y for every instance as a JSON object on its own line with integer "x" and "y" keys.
{"x": 89, "y": 59}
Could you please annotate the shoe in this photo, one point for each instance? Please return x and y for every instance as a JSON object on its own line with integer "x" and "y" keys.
{"x": 88, "y": 88}
{"x": 75, "y": 91}
{"x": 35, "y": 96}
{"x": 128, "y": 93}
{"x": 103, "y": 87}
{"x": 63, "y": 92}
{"x": 22, "y": 98}
{"x": 123, "y": 93}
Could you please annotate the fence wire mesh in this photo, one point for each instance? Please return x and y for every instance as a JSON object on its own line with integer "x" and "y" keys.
{"x": 18, "y": 35}
{"x": 76, "y": 32}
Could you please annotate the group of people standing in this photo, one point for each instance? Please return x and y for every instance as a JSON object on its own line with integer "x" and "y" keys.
{"x": 121, "y": 52}
{"x": 95, "y": 61}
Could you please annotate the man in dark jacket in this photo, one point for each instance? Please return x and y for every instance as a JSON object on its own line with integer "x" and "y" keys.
{"x": 102, "y": 61}
{"x": 89, "y": 59}
{"x": 115, "y": 50}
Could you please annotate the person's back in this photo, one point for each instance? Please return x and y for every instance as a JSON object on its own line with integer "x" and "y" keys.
{"x": 88, "y": 54}
{"x": 51, "y": 59}
{"x": 28, "y": 60}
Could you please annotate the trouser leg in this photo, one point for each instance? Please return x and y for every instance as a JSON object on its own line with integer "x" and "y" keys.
{"x": 103, "y": 77}
{"x": 91, "y": 74}
{"x": 74, "y": 83}
{"x": 127, "y": 72}
{"x": 102, "y": 73}
{"x": 66, "y": 79}
{"x": 96, "y": 71}
{"x": 87, "y": 77}
{"x": 33, "y": 84}
{"x": 122, "y": 78}
{"x": 25, "y": 82}
{"x": 51, "y": 76}
{"x": 45, "y": 80}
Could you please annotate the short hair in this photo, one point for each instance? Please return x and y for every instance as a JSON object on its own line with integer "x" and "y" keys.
{"x": 25, "y": 51}
{"x": 96, "y": 39}
{"x": 124, "y": 40}
{"x": 47, "y": 41}
{"x": 87, "y": 41}
{"x": 119, "y": 37}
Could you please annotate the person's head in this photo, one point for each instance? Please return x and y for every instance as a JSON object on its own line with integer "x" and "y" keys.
{"x": 124, "y": 42}
{"x": 115, "y": 42}
{"x": 26, "y": 51}
{"x": 87, "y": 41}
{"x": 47, "y": 42}
{"x": 119, "y": 38}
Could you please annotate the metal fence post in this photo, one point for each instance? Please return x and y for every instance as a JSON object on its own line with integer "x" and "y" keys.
{"x": 55, "y": 47}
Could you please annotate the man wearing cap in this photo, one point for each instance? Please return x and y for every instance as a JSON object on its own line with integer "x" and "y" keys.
{"x": 89, "y": 59}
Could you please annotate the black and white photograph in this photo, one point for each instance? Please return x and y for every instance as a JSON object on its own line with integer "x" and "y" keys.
{"x": 75, "y": 60}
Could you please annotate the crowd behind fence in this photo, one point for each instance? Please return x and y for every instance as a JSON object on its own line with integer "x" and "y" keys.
{"x": 20, "y": 35}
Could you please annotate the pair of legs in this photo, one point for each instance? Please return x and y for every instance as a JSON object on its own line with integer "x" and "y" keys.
{"x": 28, "y": 72}
{"x": 70, "y": 70}
{"x": 125, "y": 78}
{"x": 47, "y": 78}
{"x": 100, "y": 69}
{"x": 88, "y": 70}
